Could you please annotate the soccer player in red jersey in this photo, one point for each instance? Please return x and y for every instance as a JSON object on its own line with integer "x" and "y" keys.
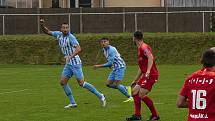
{"x": 146, "y": 77}
{"x": 198, "y": 92}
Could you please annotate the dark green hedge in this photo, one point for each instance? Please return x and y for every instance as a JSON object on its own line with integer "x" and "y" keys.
{"x": 172, "y": 48}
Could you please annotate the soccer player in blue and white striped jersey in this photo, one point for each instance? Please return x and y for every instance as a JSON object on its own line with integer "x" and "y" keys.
{"x": 118, "y": 65}
{"x": 70, "y": 49}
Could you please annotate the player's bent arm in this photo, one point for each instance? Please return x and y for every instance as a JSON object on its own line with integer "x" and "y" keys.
{"x": 109, "y": 60}
{"x": 150, "y": 63}
{"x": 182, "y": 102}
{"x": 77, "y": 51}
{"x": 46, "y": 30}
{"x": 108, "y": 64}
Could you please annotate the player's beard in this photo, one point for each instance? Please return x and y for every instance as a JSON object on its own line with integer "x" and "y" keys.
{"x": 65, "y": 32}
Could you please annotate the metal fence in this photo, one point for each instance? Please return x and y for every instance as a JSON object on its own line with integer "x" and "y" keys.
{"x": 190, "y": 3}
{"x": 109, "y": 22}
{"x": 19, "y": 3}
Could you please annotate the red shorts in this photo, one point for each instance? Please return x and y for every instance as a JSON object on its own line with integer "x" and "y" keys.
{"x": 147, "y": 83}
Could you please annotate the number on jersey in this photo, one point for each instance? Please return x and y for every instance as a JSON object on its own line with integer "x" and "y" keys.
{"x": 199, "y": 102}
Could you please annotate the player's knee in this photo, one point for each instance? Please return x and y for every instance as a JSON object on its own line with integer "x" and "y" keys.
{"x": 133, "y": 92}
{"x": 111, "y": 86}
{"x": 81, "y": 83}
{"x": 117, "y": 82}
{"x": 108, "y": 85}
{"x": 62, "y": 83}
{"x": 142, "y": 94}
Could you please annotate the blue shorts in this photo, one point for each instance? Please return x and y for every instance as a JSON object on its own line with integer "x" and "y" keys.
{"x": 70, "y": 70}
{"x": 117, "y": 74}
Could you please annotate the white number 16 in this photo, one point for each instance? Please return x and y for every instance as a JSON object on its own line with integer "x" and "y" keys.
{"x": 198, "y": 101}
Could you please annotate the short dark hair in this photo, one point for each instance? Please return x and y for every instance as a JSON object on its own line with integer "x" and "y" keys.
{"x": 104, "y": 38}
{"x": 208, "y": 58}
{"x": 138, "y": 35}
{"x": 65, "y": 23}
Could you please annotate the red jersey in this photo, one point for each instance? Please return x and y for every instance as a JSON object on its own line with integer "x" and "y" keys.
{"x": 143, "y": 51}
{"x": 199, "y": 89}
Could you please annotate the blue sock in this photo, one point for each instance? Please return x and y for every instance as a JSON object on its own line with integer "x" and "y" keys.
{"x": 69, "y": 94}
{"x": 92, "y": 89}
{"x": 112, "y": 86}
{"x": 123, "y": 90}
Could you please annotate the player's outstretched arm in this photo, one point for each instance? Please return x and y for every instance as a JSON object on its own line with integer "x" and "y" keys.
{"x": 182, "y": 102}
{"x": 44, "y": 28}
{"x": 109, "y": 63}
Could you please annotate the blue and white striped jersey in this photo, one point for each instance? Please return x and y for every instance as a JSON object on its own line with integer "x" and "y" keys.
{"x": 113, "y": 57}
{"x": 68, "y": 45}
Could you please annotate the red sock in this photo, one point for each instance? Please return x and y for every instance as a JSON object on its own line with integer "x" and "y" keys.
{"x": 137, "y": 104}
{"x": 150, "y": 105}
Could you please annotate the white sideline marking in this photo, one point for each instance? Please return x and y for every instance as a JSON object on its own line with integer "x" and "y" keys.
{"x": 13, "y": 91}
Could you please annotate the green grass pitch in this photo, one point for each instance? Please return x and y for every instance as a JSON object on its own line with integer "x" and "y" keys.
{"x": 33, "y": 93}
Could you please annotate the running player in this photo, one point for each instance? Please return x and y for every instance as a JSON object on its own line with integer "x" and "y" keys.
{"x": 115, "y": 61}
{"x": 70, "y": 49}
